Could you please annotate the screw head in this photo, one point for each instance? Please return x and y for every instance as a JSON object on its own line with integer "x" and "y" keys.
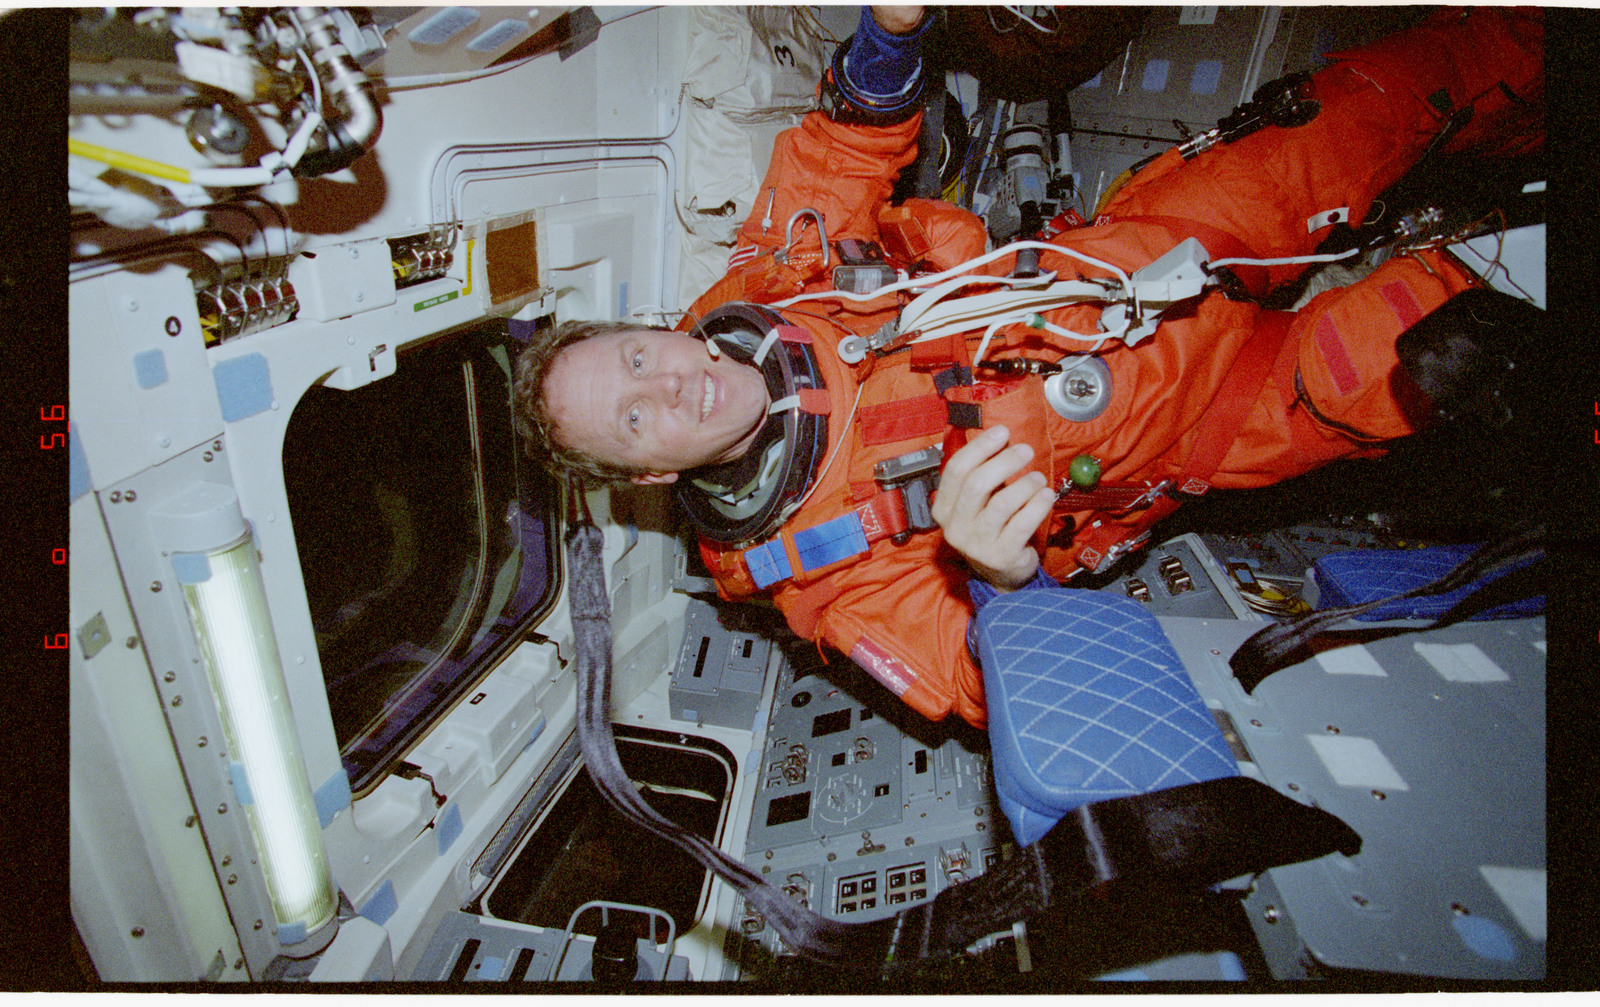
{"x": 222, "y": 809}
{"x": 202, "y": 742}
{"x": 137, "y": 931}
{"x": 226, "y": 861}
{"x": 116, "y": 496}
{"x": 206, "y": 456}
{"x": 233, "y": 878}
{"x": 155, "y": 587}
{"x": 1379, "y": 795}
{"x": 1270, "y": 914}
{"x": 188, "y": 823}
{"x": 130, "y": 496}
{"x": 259, "y": 924}
{"x": 177, "y": 700}
{"x": 832, "y": 857}
{"x": 133, "y": 643}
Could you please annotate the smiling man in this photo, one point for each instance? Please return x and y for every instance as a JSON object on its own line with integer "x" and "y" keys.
{"x": 879, "y": 496}
{"x": 655, "y": 403}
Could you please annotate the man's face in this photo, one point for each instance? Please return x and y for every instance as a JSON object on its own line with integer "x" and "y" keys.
{"x": 654, "y": 400}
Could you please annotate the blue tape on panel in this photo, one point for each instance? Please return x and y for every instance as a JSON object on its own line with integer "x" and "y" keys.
{"x": 522, "y": 329}
{"x": 1155, "y": 75}
{"x": 191, "y": 567}
{"x": 382, "y": 905}
{"x": 536, "y": 729}
{"x": 1207, "y": 75}
{"x": 502, "y": 34}
{"x": 622, "y": 299}
{"x": 449, "y": 827}
{"x": 443, "y": 26}
{"x": 150, "y": 368}
{"x": 332, "y": 797}
{"x": 78, "y": 481}
{"x": 291, "y": 933}
{"x": 244, "y": 387}
{"x": 241, "y": 783}
{"x": 1485, "y": 937}
{"x": 490, "y": 968}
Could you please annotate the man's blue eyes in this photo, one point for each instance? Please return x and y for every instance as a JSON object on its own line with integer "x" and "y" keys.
{"x": 638, "y": 368}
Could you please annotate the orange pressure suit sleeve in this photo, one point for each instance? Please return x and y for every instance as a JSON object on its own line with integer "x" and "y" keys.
{"x": 845, "y": 173}
{"x": 901, "y": 614}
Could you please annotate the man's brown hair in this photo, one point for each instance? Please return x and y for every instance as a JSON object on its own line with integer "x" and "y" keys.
{"x": 532, "y": 415}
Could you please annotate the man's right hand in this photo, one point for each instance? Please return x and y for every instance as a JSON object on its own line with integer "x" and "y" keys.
{"x": 899, "y": 20}
{"x": 987, "y": 522}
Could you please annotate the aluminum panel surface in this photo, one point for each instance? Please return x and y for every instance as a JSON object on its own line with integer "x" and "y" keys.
{"x": 1421, "y": 897}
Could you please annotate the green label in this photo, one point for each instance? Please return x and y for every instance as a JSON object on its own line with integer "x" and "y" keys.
{"x": 435, "y": 301}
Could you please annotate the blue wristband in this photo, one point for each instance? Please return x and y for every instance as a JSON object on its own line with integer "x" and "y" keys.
{"x": 880, "y": 64}
{"x": 982, "y": 593}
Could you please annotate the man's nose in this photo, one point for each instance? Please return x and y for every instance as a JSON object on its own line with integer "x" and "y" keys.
{"x": 670, "y": 388}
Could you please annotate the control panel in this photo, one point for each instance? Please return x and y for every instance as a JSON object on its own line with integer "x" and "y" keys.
{"x": 1181, "y": 577}
{"x": 862, "y": 812}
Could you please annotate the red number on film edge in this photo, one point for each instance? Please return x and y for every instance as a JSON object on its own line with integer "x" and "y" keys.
{"x": 61, "y": 640}
{"x": 58, "y": 557}
{"x": 57, "y": 414}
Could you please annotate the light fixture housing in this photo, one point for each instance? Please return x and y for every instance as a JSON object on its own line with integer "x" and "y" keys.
{"x": 214, "y": 560}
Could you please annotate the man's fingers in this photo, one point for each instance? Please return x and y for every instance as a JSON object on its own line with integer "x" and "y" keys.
{"x": 976, "y": 451}
{"x": 1026, "y": 519}
{"x": 1004, "y": 504}
{"x": 972, "y": 478}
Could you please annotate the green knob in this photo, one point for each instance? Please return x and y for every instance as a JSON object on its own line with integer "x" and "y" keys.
{"x": 1084, "y": 472}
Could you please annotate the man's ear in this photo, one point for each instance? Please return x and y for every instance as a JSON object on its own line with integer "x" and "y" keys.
{"x": 654, "y": 478}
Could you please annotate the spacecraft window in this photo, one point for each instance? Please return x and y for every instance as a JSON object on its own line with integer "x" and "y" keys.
{"x": 425, "y": 540}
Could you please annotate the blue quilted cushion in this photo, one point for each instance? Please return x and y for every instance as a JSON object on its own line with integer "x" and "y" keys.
{"x": 1087, "y": 702}
{"x": 1353, "y": 578}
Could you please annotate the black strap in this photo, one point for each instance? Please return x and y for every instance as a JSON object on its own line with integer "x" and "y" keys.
{"x": 1195, "y": 835}
{"x": 1279, "y": 646}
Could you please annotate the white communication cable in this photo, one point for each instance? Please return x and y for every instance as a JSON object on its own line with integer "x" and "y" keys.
{"x": 957, "y": 270}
